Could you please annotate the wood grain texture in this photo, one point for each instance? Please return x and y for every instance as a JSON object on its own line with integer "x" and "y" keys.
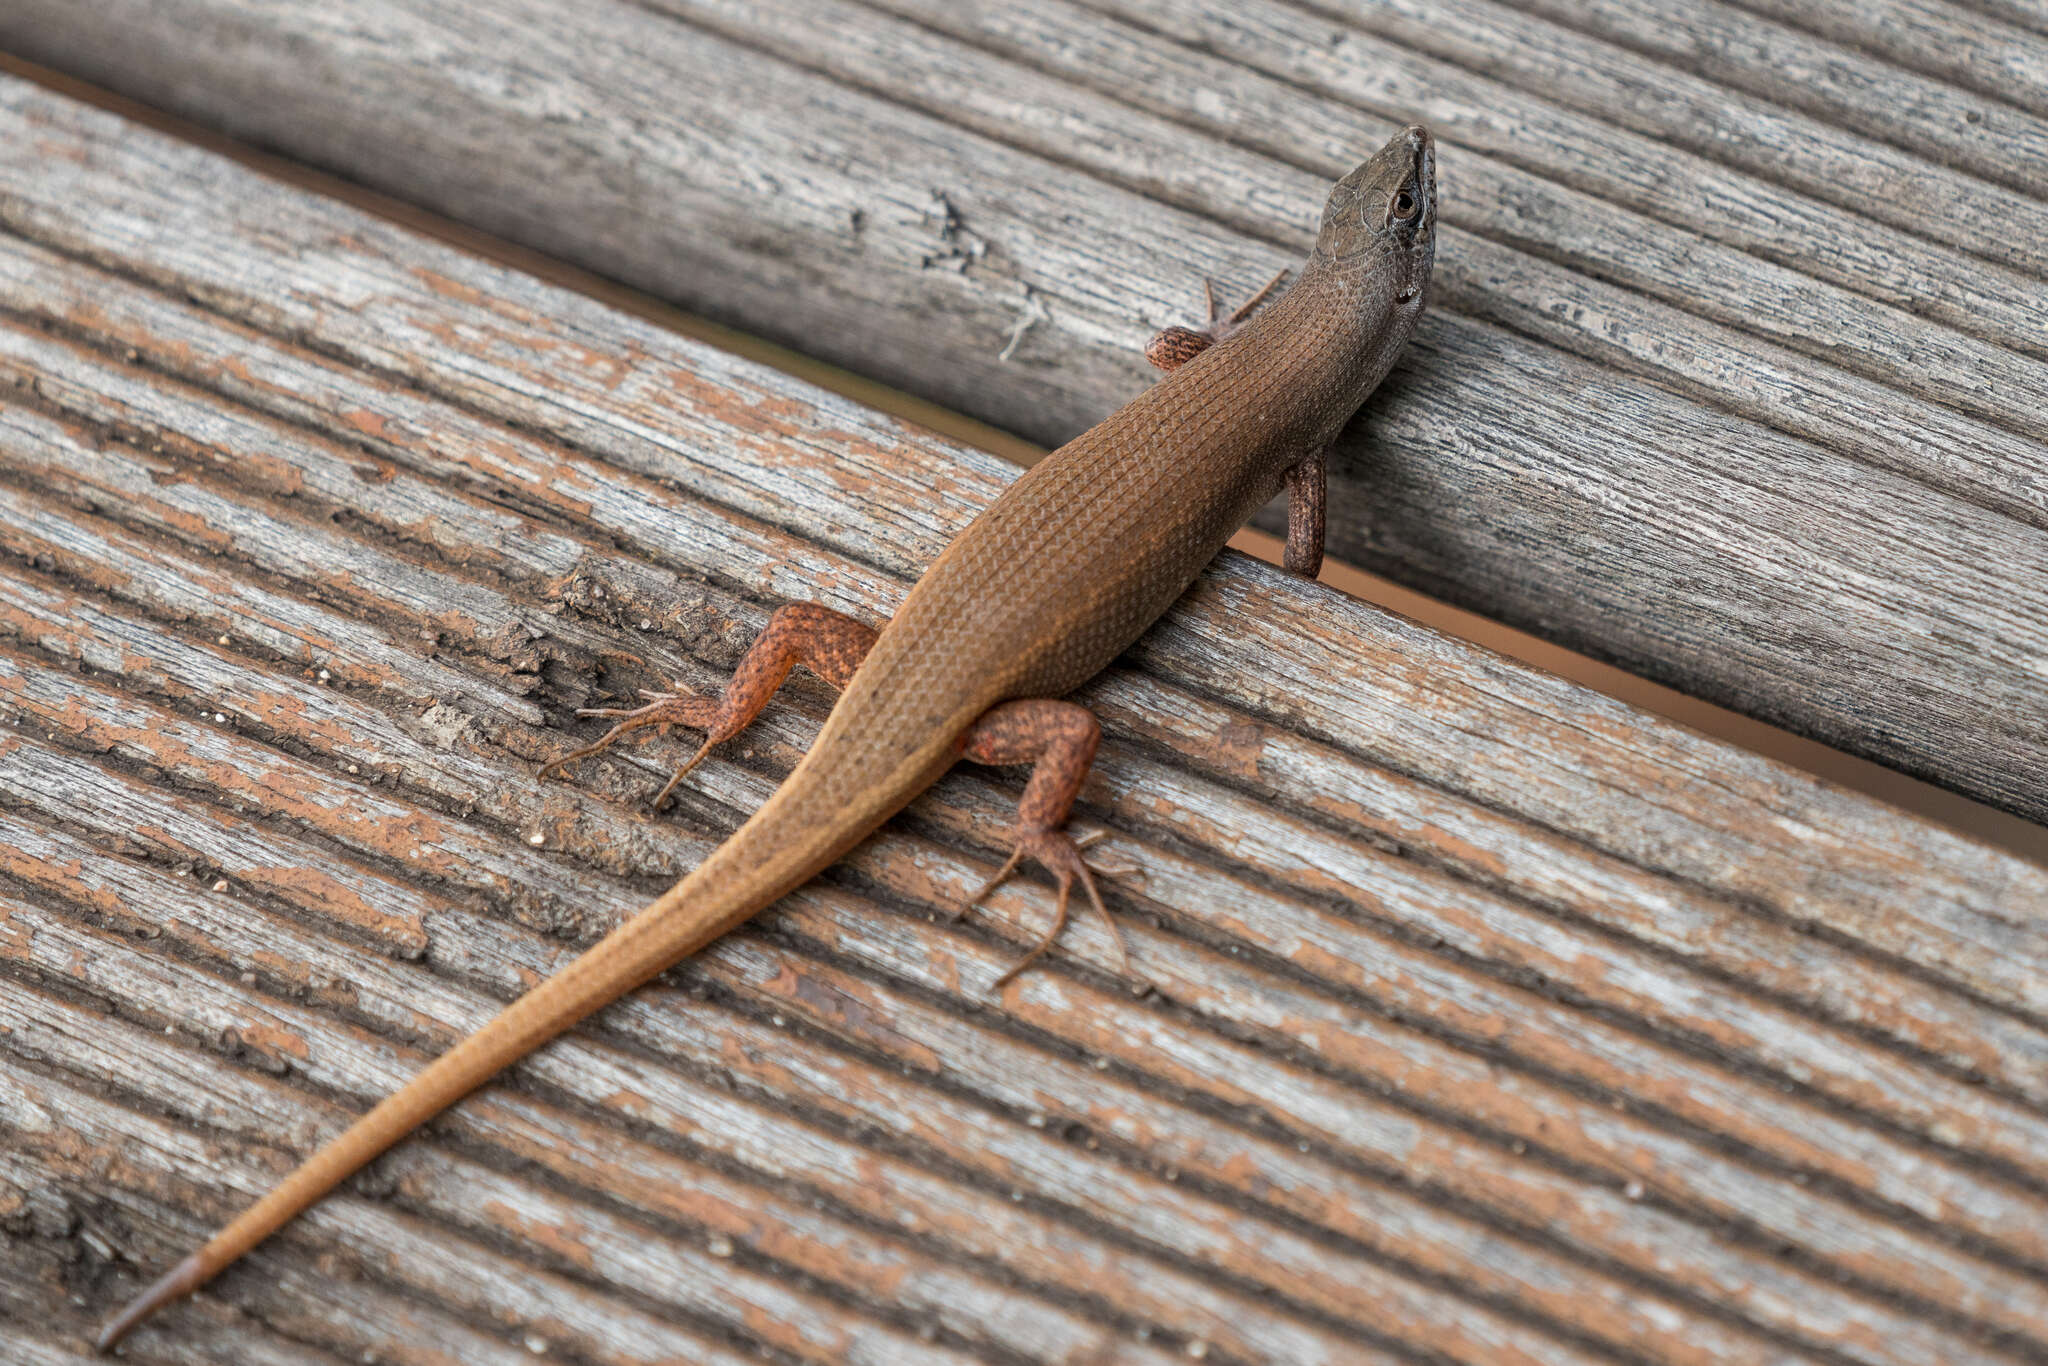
{"x": 1737, "y": 369}
{"x": 1496, "y": 1022}
{"x": 1977, "y": 48}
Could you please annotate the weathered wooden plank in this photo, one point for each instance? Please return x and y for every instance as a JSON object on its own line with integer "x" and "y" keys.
{"x": 350, "y": 1317}
{"x": 437, "y": 1263}
{"x": 1882, "y": 99}
{"x": 296, "y": 383}
{"x": 1493, "y": 1021}
{"x": 1524, "y": 230}
{"x": 37, "y": 1350}
{"x": 258, "y": 781}
{"x": 1849, "y": 322}
{"x": 1009, "y": 1072}
{"x": 708, "y": 1280}
{"x": 1678, "y": 104}
{"x": 1501, "y": 205}
{"x": 1604, "y": 1058}
{"x": 768, "y": 1137}
{"x": 1479, "y": 1164}
{"x": 1959, "y": 43}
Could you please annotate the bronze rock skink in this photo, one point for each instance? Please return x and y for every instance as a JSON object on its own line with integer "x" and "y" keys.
{"x": 1069, "y": 566}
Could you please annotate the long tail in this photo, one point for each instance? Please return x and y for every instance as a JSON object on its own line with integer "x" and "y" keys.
{"x": 786, "y": 842}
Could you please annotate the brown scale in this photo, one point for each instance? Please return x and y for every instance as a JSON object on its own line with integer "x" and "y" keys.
{"x": 1069, "y": 566}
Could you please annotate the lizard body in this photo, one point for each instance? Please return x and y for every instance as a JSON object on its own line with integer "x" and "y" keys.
{"x": 1069, "y": 566}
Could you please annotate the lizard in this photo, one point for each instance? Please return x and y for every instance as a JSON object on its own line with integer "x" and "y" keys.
{"x": 1054, "y": 579}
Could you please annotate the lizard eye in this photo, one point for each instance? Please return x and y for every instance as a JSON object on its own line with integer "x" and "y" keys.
{"x": 1403, "y": 207}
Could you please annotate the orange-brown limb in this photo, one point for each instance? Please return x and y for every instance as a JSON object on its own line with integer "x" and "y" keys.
{"x": 1058, "y": 739}
{"x": 1308, "y": 490}
{"x": 830, "y": 644}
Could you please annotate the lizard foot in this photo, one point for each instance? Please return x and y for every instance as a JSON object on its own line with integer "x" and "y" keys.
{"x": 663, "y": 709}
{"x": 828, "y": 643}
{"x": 1060, "y": 854}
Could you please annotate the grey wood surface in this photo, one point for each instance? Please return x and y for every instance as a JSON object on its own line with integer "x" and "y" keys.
{"x": 1496, "y": 1022}
{"x": 1736, "y": 371}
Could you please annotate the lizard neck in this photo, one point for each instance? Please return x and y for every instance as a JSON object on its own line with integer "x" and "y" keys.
{"x": 1333, "y": 335}
{"x": 1304, "y": 363}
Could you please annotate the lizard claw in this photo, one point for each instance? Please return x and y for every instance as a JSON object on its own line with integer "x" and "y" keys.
{"x": 661, "y": 797}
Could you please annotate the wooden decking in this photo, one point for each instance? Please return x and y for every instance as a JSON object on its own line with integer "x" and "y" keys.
{"x": 1496, "y": 1022}
{"x": 1735, "y": 374}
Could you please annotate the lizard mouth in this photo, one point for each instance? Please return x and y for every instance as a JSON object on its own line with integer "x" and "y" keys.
{"x": 1425, "y": 169}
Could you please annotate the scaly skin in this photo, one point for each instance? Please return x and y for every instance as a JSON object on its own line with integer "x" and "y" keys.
{"x": 1057, "y": 577}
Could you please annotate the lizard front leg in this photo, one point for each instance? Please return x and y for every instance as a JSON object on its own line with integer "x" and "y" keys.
{"x": 1172, "y": 347}
{"x": 1058, "y": 739}
{"x": 828, "y": 643}
{"x": 1308, "y": 489}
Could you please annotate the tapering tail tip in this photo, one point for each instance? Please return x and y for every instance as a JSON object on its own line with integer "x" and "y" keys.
{"x": 175, "y": 1284}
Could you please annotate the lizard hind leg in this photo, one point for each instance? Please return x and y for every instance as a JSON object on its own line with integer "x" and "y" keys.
{"x": 1058, "y": 739}
{"x": 828, "y": 643}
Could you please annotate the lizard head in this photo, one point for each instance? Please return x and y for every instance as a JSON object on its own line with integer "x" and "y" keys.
{"x": 1379, "y": 224}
